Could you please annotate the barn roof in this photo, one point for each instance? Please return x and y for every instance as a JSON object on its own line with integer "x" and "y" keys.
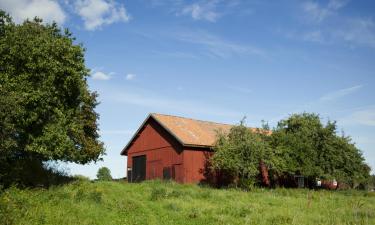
{"x": 189, "y": 132}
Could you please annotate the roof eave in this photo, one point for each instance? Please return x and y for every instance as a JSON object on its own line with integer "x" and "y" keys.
{"x": 124, "y": 152}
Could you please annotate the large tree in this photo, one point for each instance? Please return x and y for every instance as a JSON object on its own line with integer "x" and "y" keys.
{"x": 306, "y": 146}
{"x": 46, "y": 108}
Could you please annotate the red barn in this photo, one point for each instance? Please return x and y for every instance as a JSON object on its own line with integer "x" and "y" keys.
{"x": 171, "y": 147}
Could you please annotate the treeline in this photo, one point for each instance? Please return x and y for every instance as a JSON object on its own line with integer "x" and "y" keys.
{"x": 299, "y": 146}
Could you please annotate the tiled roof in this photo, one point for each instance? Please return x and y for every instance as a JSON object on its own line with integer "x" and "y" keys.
{"x": 191, "y": 131}
{"x": 188, "y": 132}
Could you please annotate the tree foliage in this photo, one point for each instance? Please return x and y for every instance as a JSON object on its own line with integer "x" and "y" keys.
{"x": 239, "y": 152}
{"x": 104, "y": 174}
{"x": 306, "y": 146}
{"x": 46, "y": 109}
{"x": 299, "y": 145}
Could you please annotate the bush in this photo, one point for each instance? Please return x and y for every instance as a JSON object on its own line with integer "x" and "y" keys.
{"x": 81, "y": 178}
{"x": 104, "y": 174}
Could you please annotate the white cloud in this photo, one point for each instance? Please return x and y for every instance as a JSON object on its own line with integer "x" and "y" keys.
{"x": 357, "y": 31}
{"x": 360, "y": 117}
{"x": 100, "y": 76}
{"x": 20, "y": 10}
{"x": 340, "y": 93}
{"x": 130, "y": 76}
{"x": 337, "y": 4}
{"x": 322, "y": 104}
{"x": 96, "y": 13}
{"x": 217, "y": 46}
{"x": 201, "y": 11}
{"x": 335, "y": 28}
{"x": 157, "y": 103}
{"x": 317, "y": 13}
{"x": 205, "y": 10}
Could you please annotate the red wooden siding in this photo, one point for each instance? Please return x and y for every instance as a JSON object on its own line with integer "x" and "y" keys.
{"x": 162, "y": 150}
{"x": 194, "y": 165}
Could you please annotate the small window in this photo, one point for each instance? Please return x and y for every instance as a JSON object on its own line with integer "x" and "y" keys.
{"x": 166, "y": 173}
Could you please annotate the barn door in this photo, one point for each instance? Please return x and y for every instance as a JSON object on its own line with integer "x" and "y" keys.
{"x": 139, "y": 168}
{"x": 154, "y": 169}
{"x": 177, "y": 173}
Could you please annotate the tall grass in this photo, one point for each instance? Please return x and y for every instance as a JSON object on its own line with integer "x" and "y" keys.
{"x": 157, "y": 202}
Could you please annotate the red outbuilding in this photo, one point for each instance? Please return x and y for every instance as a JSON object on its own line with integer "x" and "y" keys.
{"x": 171, "y": 147}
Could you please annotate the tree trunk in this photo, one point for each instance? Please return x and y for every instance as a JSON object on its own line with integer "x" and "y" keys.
{"x": 264, "y": 173}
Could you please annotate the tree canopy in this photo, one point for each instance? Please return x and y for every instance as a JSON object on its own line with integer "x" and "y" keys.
{"x": 240, "y": 152}
{"x": 47, "y": 111}
{"x": 104, "y": 174}
{"x": 298, "y": 145}
{"x": 306, "y": 146}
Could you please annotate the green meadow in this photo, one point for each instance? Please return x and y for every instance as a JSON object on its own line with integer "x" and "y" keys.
{"x": 163, "y": 203}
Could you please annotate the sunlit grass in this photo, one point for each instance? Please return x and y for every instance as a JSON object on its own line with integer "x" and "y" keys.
{"x": 170, "y": 203}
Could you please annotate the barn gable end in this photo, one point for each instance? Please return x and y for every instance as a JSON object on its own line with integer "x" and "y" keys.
{"x": 162, "y": 151}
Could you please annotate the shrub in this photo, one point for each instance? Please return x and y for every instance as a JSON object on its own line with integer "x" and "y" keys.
{"x": 104, "y": 174}
{"x": 81, "y": 178}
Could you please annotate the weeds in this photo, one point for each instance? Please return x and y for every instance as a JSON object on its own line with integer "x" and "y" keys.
{"x": 168, "y": 203}
{"x": 158, "y": 193}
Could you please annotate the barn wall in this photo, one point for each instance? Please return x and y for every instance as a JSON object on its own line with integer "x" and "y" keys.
{"x": 161, "y": 151}
{"x": 196, "y": 165}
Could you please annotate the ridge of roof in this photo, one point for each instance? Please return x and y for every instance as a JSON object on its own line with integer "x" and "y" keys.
{"x": 188, "y": 118}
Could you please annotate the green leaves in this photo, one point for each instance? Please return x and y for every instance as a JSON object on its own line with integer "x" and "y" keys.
{"x": 46, "y": 108}
{"x": 299, "y": 145}
{"x": 240, "y": 151}
{"x": 310, "y": 148}
{"x": 104, "y": 174}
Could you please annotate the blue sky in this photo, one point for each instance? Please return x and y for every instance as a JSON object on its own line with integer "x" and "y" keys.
{"x": 221, "y": 60}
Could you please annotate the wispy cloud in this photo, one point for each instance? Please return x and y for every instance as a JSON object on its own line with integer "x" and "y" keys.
{"x": 210, "y": 44}
{"x": 320, "y": 104}
{"x": 357, "y": 31}
{"x": 97, "y": 13}
{"x": 48, "y": 10}
{"x": 317, "y": 13}
{"x": 331, "y": 27}
{"x": 130, "y": 76}
{"x": 158, "y": 103}
{"x": 217, "y": 46}
{"x": 98, "y": 75}
{"x": 340, "y": 93}
{"x": 364, "y": 117}
{"x": 201, "y": 11}
{"x": 204, "y": 10}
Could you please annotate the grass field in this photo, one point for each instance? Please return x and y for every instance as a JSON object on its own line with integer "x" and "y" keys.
{"x": 169, "y": 203}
